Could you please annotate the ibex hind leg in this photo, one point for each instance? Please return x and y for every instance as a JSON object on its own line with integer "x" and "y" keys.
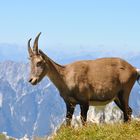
{"x": 122, "y": 103}
{"x": 117, "y": 102}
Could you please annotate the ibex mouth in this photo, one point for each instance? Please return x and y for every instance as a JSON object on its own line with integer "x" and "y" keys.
{"x": 33, "y": 81}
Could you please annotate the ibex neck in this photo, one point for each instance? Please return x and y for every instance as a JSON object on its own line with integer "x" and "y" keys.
{"x": 56, "y": 75}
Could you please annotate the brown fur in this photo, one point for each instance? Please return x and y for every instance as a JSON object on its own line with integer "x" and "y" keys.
{"x": 90, "y": 82}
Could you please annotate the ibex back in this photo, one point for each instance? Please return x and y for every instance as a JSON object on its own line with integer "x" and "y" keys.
{"x": 90, "y": 82}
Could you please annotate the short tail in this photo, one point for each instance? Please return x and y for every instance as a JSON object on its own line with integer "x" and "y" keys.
{"x": 138, "y": 77}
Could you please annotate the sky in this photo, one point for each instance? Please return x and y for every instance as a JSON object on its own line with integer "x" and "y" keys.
{"x": 64, "y": 24}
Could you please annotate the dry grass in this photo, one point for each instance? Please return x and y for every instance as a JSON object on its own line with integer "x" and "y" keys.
{"x": 3, "y": 137}
{"x": 118, "y": 131}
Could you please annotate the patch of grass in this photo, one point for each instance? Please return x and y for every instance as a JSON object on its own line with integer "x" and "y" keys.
{"x": 3, "y": 137}
{"x": 117, "y": 131}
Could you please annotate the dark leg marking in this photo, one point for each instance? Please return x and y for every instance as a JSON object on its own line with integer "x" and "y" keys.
{"x": 84, "y": 110}
{"x": 70, "y": 111}
{"x": 123, "y": 105}
{"x": 121, "y": 108}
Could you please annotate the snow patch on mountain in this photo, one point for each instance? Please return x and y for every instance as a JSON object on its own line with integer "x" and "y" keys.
{"x": 1, "y": 99}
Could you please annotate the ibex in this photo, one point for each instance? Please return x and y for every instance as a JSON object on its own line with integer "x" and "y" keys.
{"x": 89, "y": 82}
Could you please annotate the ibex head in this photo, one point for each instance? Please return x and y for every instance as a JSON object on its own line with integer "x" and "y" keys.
{"x": 38, "y": 68}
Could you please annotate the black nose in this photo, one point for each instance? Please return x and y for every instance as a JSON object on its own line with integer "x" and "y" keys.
{"x": 30, "y": 80}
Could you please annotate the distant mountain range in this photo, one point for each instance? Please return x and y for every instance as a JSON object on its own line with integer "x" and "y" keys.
{"x": 39, "y": 110}
{"x": 65, "y": 54}
{"x": 25, "y": 109}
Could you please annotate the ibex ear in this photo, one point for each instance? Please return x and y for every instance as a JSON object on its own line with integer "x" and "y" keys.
{"x": 44, "y": 56}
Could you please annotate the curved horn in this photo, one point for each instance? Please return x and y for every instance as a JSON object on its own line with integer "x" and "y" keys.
{"x": 35, "y": 47}
{"x": 29, "y": 48}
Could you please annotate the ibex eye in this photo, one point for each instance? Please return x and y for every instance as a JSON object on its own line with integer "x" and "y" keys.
{"x": 38, "y": 64}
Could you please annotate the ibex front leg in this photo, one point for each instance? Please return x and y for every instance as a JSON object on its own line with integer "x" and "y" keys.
{"x": 84, "y": 110}
{"x": 70, "y": 110}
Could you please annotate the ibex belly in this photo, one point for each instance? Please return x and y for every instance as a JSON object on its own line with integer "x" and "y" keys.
{"x": 102, "y": 96}
{"x": 100, "y": 103}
